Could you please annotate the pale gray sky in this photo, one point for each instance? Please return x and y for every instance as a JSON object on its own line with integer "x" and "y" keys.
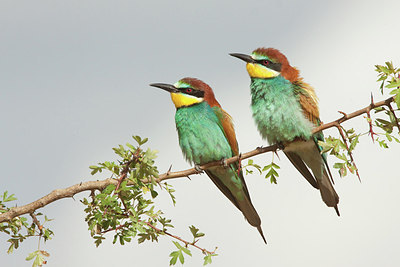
{"x": 74, "y": 83}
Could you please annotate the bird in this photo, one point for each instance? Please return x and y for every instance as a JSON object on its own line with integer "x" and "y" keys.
{"x": 285, "y": 110}
{"x": 206, "y": 134}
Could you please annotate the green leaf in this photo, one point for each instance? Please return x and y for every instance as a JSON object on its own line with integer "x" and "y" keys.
{"x": 195, "y": 232}
{"x": 109, "y": 189}
{"x": 390, "y": 66}
{"x": 353, "y": 143}
{"x": 177, "y": 245}
{"x": 181, "y": 258}
{"x": 174, "y": 257}
{"x": 393, "y": 84}
{"x": 31, "y": 255}
{"x": 8, "y": 198}
{"x": 208, "y": 258}
{"x": 275, "y": 166}
{"x": 154, "y": 194}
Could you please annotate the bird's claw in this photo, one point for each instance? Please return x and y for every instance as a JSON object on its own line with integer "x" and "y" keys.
{"x": 224, "y": 163}
{"x": 280, "y": 146}
{"x": 198, "y": 168}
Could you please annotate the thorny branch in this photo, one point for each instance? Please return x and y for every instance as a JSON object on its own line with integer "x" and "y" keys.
{"x": 339, "y": 127}
{"x": 126, "y": 168}
{"x": 37, "y": 223}
{"x": 100, "y": 185}
{"x": 187, "y": 243}
{"x": 371, "y": 131}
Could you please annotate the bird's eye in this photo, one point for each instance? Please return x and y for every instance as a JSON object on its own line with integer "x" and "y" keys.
{"x": 265, "y": 62}
{"x": 189, "y": 90}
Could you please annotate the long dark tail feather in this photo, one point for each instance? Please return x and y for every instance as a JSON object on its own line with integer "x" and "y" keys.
{"x": 245, "y": 206}
{"x": 262, "y": 234}
{"x": 251, "y": 215}
{"x": 328, "y": 193}
{"x": 302, "y": 168}
{"x": 337, "y": 210}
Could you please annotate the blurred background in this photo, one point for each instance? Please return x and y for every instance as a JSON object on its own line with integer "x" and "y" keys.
{"x": 74, "y": 81}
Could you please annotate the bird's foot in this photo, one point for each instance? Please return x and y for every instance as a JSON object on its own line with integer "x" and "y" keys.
{"x": 198, "y": 168}
{"x": 280, "y": 146}
{"x": 224, "y": 163}
{"x": 239, "y": 163}
{"x": 259, "y": 147}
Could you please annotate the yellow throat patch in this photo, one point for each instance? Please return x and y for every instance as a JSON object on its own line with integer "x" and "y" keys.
{"x": 181, "y": 100}
{"x": 258, "y": 71}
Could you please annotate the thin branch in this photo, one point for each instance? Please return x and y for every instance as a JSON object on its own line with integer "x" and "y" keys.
{"x": 56, "y": 195}
{"x": 37, "y": 223}
{"x": 345, "y": 141}
{"x": 125, "y": 170}
{"x": 353, "y": 115}
{"x": 371, "y": 130}
{"x": 394, "y": 115}
{"x": 205, "y": 251}
{"x": 100, "y": 185}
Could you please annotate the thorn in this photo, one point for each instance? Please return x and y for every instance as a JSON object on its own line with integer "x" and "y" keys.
{"x": 259, "y": 147}
{"x": 169, "y": 170}
{"x": 276, "y": 153}
{"x": 372, "y": 100}
{"x": 358, "y": 175}
{"x": 189, "y": 178}
{"x": 344, "y": 114}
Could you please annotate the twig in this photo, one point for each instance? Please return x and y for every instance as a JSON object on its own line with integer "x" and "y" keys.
{"x": 371, "y": 131}
{"x": 353, "y": 115}
{"x": 339, "y": 127}
{"x": 187, "y": 243}
{"x": 135, "y": 158}
{"x": 114, "y": 229}
{"x": 394, "y": 115}
{"x": 37, "y": 223}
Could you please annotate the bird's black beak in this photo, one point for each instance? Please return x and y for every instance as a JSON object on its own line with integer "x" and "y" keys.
{"x": 243, "y": 57}
{"x": 167, "y": 87}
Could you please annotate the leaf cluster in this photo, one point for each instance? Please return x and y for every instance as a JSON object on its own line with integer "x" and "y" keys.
{"x": 128, "y": 209}
{"x": 20, "y": 228}
{"x": 341, "y": 150}
{"x": 270, "y": 169}
{"x": 390, "y": 79}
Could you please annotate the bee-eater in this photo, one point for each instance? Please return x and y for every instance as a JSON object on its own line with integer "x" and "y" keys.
{"x": 285, "y": 110}
{"x": 206, "y": 134}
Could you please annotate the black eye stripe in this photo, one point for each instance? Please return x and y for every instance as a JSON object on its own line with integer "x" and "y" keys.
{"x": 191, "y": 91}
{"x": 269, "y": 64}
